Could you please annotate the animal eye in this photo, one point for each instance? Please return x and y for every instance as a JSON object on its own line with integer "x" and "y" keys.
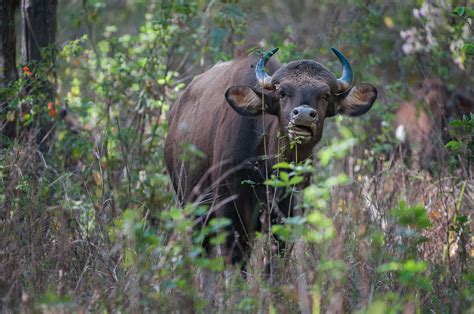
{"x": 327, "y": 97}
{"x": 281, "y": 94}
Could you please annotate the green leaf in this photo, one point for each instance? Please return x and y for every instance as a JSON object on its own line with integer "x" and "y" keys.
{"x": 325, "y": 156}
{"x": 377, "y": 307}
{"x": 275, "y": 183}
{"x": 282, "y": 165}
{"x": 175, "y": 213}
{"x": 469, "y": 12}
{"x": 464, "y": 12}
{"x": 456, "y": 123}
{"x": 414, "y": 266}
{"x": 454, "y": 145}
{"x": 219, "y": 223}
{"x": 249, "y": 182}
{"x": 459, "y": 11}
{"x": 392, "y": 266}
{"x": 461, "y": 219}
{"x": 295, "y": 180}
{"x": 283, "y": 231}
{"x": 468, "y": 49}
{"x": 219, "y": 239}
{"x": 296, "y": 220}
{"x": 345, "y": 132}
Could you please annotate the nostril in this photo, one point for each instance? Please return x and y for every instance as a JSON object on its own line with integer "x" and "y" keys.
{"x": 312, "y": 114}
{"x": 295, "y": 112}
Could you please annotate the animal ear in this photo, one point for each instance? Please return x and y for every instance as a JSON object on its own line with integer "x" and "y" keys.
{"x": 356, "y": 102}
{"x": 248, "y": 102}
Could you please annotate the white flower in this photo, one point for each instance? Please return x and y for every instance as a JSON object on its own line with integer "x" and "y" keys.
{"x": 407, "y": 48}
{"x": 142, "y": 176}
{"x": 400, "y": 133}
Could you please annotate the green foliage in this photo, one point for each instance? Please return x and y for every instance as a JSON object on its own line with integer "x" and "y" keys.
{"x": 467, "y": 14}
{"x": 409, "y": 273}
{"x": 462, "y": 131}
{"x": 285, "y": 179}
{"x": 338, "y": 149}
{"x": 468, "y": 49}
{"x": 50, "y": 300}
{"x": 463, "y": 12}
{"x": 413, "y": 216}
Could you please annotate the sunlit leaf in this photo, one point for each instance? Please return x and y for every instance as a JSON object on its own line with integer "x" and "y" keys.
{"x": 282, "y": 165}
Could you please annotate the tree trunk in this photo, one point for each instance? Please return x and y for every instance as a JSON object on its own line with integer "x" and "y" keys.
{"x": 8, "y": 71}
{"x": 39, "y": 32}
{"x": 38, "y": 28}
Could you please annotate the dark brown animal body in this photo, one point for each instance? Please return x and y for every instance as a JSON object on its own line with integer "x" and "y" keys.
{"x": 241, "y": 121}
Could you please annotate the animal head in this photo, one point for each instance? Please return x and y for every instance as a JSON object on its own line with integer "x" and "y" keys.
{"x": 302, "y": 94}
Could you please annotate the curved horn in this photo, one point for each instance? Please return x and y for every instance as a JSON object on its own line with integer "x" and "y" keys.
{"x": 263, "y": 79}
{"x": 345, "y": 81}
